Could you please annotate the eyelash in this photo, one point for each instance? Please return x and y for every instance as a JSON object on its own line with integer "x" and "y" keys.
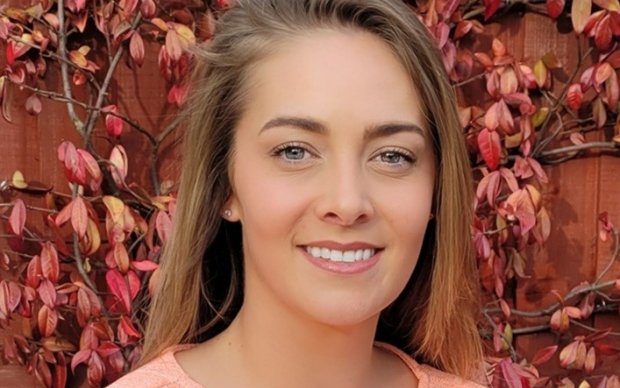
{"x": 408, "y": 157}
{"x": 279, "y": 151}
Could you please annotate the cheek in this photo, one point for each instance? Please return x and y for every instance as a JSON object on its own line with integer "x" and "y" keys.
{"x": 269, "y": 205}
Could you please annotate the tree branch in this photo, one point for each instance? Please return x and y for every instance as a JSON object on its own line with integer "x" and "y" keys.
{"x": 64, "y": 69}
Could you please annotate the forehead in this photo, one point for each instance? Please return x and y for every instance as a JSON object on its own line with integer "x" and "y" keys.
{"x": 336, "y": 76}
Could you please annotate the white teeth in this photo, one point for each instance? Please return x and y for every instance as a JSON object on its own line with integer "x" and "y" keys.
{"x": 342, "y": 256}
{"x": 316, "y": 252}
{"x": 349, "y": 256}
{"x": 335, "y": 255}
{"x": 325, "y": 253}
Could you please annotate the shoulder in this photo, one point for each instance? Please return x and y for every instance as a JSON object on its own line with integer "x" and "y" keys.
{"x": 437, "y": 378}
{"x": 163, "y": 371}
{"x": 428, "y": 376}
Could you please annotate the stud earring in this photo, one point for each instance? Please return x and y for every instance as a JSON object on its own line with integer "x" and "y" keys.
{"x": 227, "y": 213}
{"x": 431, "y": 216}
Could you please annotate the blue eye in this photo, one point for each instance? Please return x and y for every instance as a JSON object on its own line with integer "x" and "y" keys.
{"x": 291, "y": 152}
{"x": 395, "y": 157}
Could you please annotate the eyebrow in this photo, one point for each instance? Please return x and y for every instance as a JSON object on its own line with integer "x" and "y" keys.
{"x": 370, "y": 133}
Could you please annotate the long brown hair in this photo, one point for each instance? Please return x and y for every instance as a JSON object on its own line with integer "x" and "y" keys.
{"x": 200, "y": 289}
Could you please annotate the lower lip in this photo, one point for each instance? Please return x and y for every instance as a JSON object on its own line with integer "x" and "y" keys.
{"x": 341, "y": 267}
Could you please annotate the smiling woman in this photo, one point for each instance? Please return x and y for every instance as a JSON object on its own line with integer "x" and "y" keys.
{"x": 322, "y": 233}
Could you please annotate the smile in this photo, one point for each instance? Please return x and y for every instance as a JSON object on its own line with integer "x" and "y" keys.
{"x": 349, "y": 256}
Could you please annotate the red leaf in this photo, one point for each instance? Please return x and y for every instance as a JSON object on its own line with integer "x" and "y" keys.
{"x": 586, "y": 306}
{"x": 612, "y": 91}
{"x": 95, "y": 370}
{"x": 60, "y": 372}
{"x": 163, "y": 225}
{"x": 119, "y": 287}
{"x": 134, "y": 284}
{"x": 83, "y": 307}
{"x": 490, "y": 147}
{"x": 121, "y": 257}
{"x": 4, "y": 300}
{"x": 544, "y": 355}
{"x": 505, "y": 308}
{"x": 145, "y": 265}
{"x": 47, "y": 293}
{"x": 574, "y": 96}
{"x": 148, "y": 8}
{"x": 603, "y": 34}
{"x": 80, "y": 357}
{"x": 129, "y": 328}
{"x": 555, "y": 8}
{"x": 107, "y": 349}
{"x": 136, "y": 48}
{"x": 118, "y": 169}
{"x": 79, "y": 216}
{"x": 513, "y": 380}
{"x": 47, "y": 320}
{"x": 93, "y": 169}
{"x": 10, "y": 52}
{"x": 178, "y": 94}
{"x": 64, "y": 215}
{"x": 50, "y": 267}
{"x": 462, "y": 28}
{"x": 78, "y": 78}
{"x": 33, "y": 272}
{"x": 17, "y": 219}
{"x": 14, "y": 296}
{"x": 113, "y": 124}
{"x": 33, "y": 104}
{"x": 606, "y": 349}
{"x": 519, "y": 205}
{"x": 490, "y": 7}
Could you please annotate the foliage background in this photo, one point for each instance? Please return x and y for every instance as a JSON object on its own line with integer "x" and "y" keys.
{"x": 576, "y": 191}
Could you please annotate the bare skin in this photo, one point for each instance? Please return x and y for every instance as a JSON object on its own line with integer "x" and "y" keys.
{"x": 296, "y": 187}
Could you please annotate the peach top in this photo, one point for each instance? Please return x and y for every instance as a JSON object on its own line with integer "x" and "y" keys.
{"x": 165, "y": 371}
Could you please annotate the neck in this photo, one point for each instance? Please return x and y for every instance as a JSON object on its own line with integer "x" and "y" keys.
{"x": 276, "y": 345}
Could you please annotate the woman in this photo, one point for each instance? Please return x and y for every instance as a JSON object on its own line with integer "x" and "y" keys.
{"x": 321, "y": 237}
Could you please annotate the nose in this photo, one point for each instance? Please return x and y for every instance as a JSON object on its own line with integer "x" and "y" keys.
{"x": 345, "y": 196}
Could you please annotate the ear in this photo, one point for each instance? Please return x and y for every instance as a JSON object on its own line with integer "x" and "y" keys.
{"x": 231, "y": 211}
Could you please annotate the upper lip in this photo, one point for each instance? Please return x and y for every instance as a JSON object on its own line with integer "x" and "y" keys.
{"x": 342, "y": 246}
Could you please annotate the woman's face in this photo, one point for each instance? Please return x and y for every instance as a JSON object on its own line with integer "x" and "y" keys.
{"x": 332, "y": 178}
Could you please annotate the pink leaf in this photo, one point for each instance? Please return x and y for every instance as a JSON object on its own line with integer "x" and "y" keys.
{"x": 17, "y": 219}
{"x": 544, "y": 355}
{"x": 80, "y": 357}
{"x": 79, "y": 216}
{"x": 47, "y": 293}
{"x": 136, "y": 48}
{"x": 145, "y": 265}
{"x": 33, "y": 104}
{"x": 50, "y": 266}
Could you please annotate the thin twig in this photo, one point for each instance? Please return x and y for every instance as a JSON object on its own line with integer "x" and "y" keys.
{"x": 603, "y": 145}
{"x": 613, "y": 257}
{"x": 551, "y": 309}
{"x": 94, "y": 115}
{"x": 64, "y": 69}
{"x": 592, "y": 329}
